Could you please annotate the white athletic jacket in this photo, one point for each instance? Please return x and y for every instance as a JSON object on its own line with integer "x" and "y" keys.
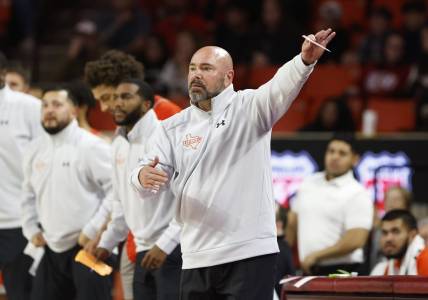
{"x": 150, "y": 221}
{"x": 220, "y": 170}
{"x": 19, "y": 125}
{"x": 66, "y": 178}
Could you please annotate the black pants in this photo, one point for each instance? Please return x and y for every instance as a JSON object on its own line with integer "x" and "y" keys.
{"x": 326, "y": 270}
{"x": 59, "y": 277}
{"x": 159, "y": 284}
{"x": 248, "y": 279}
{"x": 15, "y": 264}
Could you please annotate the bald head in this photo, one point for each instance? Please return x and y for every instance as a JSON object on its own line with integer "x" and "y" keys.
{"x": 221, "y": 56}
{"x": 210, "y": 72}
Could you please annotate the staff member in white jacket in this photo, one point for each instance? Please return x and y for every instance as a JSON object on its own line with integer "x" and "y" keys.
{"x": 156, "y": 235}
{"x": 216, "y": 154}
{"x": 66, "y": 177}
{"x": 19, "y": 125}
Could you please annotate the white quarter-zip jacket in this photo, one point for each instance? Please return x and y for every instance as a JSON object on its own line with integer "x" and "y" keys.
{"x": 19, "y": 125}
{"x": 150, "y": 220}
{"x": 66, "y": 178}
{"x": 220, "y": 171}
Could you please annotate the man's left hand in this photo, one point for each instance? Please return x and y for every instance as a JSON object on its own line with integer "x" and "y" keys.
{"x": 309, "y": 262}
{"x": 310, "y": 52}
{"x": 154, "y": 258}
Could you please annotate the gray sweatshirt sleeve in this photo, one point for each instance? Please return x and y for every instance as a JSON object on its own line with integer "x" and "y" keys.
{"x": 170, "y": 238}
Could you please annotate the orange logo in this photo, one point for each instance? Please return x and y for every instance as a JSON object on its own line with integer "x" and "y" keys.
{"x": 39, "y": 166}
{"x": 120, "y": 159}
{"x": 192, "y": 141}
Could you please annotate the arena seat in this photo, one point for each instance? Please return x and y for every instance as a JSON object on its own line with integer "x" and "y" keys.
{"x": 393, "y": 114}
{"x": 294, "y": 118}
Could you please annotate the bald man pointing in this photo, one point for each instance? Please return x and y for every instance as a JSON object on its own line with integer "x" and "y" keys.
{"x": 216, "y": 155}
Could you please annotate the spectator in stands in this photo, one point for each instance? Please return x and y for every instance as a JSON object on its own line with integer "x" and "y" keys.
{"x": 124, "y": 27}
{"x": 332, "y": 214}
{"x": 275, "y": 37}
{"x": 414, "y": 18}
{"x": 17, "y": 77}
{"x": 83, "y": 47}
{"x": 397, "y": 197}
{"x": 70, "y": 164}
{"x": 330, "y": 16}
{"x": 371, "y": 50}
{"x": 284, "y": 262}
{"x": 234, "y": 34}
{"x": 391, "y": 77}
{"x": 400, "y": 244}
{"x": 178, "y": 16}
{"x": 173, "y": 77}
{"x": 334, "y": 115}
{"x": 153, "y": 56}
{"x": 420, "y": 83}
{"x": 19, "y": 125}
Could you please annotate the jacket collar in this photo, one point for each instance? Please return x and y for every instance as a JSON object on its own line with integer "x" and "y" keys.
{"x": 144, "y": 128}
{"x": 65, "y": 134}
{"x": 341, "y": 180}
{"x": 219, "y": 102}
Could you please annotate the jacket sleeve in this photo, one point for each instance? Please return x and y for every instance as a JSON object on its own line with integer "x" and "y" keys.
{"x": 170, "y": 238}
{"x": 99, "y": 169}
{"x": 30, "y": 218}
{"x": 117, "y": 229}
{"x": 267, "y": 104}
{"x": 160, "y": 146}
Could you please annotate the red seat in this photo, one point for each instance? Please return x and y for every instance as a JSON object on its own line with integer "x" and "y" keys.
{"x": 259, "y": 76}
{"x": 294, "y": 118}
{"x": 393, "y": 114}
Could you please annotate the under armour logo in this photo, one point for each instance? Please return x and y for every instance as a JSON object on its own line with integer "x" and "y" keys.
{"x": 223, "y": 122}
{"x": 65, "y": 163}
{"x": 4, "y": 122}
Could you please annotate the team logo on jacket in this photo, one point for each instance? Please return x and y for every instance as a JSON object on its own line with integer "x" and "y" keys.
{"x": 39, "y": 166}
{"x": 192, "y": 142}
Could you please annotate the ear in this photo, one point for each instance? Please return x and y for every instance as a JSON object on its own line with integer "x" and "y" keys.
{"x": 355, "y": 159}
{"x": 228, "y": 77}
{"x": 412, "y": 234}
{"x": 146, "y": 106}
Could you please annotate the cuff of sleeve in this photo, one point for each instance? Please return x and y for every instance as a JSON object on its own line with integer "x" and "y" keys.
{"x": 301, "y": 64}
{"x": 106, "y": 244}
{"x": 30, "y": 232}
{"x": 166, "y": 244}
{"x": 90, "y": 231}
{"x": 134, "y": 179}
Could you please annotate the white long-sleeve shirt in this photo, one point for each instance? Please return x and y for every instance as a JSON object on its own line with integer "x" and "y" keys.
{"x": 66, "y": 178}
{"x": 220, "y": 171}
{"x": 151, "y": 221}
{"x": 19, "y": 125}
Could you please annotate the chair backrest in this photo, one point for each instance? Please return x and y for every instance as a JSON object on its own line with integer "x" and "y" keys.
{"x": 393, "y": 114}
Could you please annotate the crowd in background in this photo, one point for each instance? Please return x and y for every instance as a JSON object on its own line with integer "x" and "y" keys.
{"x": 385, "y": 42}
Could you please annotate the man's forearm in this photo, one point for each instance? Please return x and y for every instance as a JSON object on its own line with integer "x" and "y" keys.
{"x": 352, "y": 240}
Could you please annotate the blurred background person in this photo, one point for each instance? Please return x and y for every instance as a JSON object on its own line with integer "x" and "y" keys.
{"x": 17, "y": 77}
{"x": 400, "y": 244}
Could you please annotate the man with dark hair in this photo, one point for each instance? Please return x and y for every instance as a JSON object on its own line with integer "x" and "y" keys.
{"x": 103, "y": 76}
{"x": 19, "y": 125}
{"x": 67, "y": 176}
{"x": 332, "y": 214}
{"x": 17, "y": 77}
{"x": 158, "y": 264}
{"x": 400, "y": 244}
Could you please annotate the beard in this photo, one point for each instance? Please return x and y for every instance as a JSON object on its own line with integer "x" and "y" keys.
{"x": 131, "y": 118}
{"x": 203, "y": 93}
{"x": 398, "y": 255}
{"x": 55, "y": 129}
